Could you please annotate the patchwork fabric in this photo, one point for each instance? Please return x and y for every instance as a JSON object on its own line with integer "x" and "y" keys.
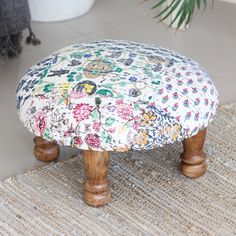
{"x": 116, "y": 95}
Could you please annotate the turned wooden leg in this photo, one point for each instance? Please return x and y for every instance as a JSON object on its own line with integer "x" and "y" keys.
{"x": 193, "y": 158}
{"x": 96, "y": 185}
{"x": 45, "y": 150}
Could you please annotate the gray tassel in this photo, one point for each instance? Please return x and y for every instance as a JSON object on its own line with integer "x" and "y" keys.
{"x": 31, "y": 39}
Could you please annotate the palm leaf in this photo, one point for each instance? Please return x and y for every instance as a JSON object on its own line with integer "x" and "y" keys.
{"x": 184, "y": 10}
{"x": 159, "y": 3}
{"x": 166, "y": 9}
{"x": 177, "y": 2}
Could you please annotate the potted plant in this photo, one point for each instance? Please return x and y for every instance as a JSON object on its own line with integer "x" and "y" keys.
{"x": 178, "y": 13}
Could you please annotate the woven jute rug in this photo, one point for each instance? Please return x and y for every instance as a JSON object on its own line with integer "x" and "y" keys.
{"x": 149, "y": 195}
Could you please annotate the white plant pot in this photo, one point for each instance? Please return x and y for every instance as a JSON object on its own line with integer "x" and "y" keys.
{"x": 58, "y": 10}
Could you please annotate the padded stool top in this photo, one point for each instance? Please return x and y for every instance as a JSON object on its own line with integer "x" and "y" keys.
{"x": 116, "y": 95}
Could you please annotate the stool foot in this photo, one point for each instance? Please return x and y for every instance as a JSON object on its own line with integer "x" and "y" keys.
{"x": 45, "y": 150}
{"x": 96, "y": 185}
{"x": 193, "y": 158}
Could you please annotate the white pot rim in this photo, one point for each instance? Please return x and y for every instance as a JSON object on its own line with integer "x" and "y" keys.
{"x": 51, "y": 11}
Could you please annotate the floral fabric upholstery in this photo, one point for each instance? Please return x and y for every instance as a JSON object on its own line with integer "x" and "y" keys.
{"x": 116, "y": 95}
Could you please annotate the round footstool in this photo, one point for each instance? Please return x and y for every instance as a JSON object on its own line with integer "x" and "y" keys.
{"x": 114, "y": 96}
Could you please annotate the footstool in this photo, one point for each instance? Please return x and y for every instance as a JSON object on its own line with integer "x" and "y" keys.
{"x": 113, "y": 95}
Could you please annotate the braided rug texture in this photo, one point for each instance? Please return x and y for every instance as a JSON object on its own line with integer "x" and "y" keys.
{"x": 149, "y": 195}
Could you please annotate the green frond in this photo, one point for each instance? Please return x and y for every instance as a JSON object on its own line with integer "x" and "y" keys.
{"x": 183, "y": 9}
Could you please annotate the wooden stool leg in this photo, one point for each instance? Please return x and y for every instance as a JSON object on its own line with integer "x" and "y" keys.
{"x": 193, "y": 158}
{"x": 96, "y": 185}
{"x": 45, "y": 150}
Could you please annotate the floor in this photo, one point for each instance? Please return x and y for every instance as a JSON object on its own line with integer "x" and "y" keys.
{"x": 210, "y": 40}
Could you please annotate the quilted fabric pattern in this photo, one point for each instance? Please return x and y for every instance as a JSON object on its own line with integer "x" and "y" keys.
{"x": 116, "y": 95}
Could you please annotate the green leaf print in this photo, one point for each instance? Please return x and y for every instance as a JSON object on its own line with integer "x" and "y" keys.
{"x": 136, "y": 107}
{"x": 120, "y": 96}
{"x": 99, "y": 53}
{"x": 106, "y": 137}
{"x": 77, "y": 55}
{"x": 104, "y": 92}
{"x": 47, "y": 134}
{"x": 109, "y": 138}
{"x": 156, "y": 82}
{"x": 109, "y": 121}
{"x": 98, "y": 101}
{"x": 119, "y": 70}
{"x": 71, "y": 76}
{"x": 107, "y": 85}
{"x": 123, "y": 84}
{"x": 45, "y": 71}
{"x": 133, "y": 68}
{"x": 95, "y": 114}
{"x": 79, "y": 77}
{"x": 80, "y": 68}
{"x": 48, "y": 88}
{"x": 127, "y": 125}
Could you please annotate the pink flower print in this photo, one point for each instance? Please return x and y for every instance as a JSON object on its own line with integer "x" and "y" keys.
{"x": 77, "y": 94}
{"x": 190, "y": 81}
{"x": 204, "y": 89}
{"x": 194, "y": 90}
{"x": 165, "y": 109}
{"x": 186, "y": 103}
{"x": 206, "y": 102}
{"x": 175, "y": 95}
{"x": 40, "y": 122}
{"x": 196, "y": 116}
{"x": 69, "y": 131}
{"x": 185, "y": 91}
{"x": 160, "y": 91}
{"x": 82, "y": 111}
{"x": 78, "y": 141}
{"x": 118, "y": 102}
{"x": 177, "y": 118}
{"x": 175, "y": 107}
{"x": 188, "y": 115}
{"x": 200, "y": 79}
{"x": 187, "y": 130}
{"x": 125, "y": 111}
{"x": 165, "y": 99}
{"x": 197, "y": 101}
{"x": 179, "y": 82}
{"x": 112, "y": 130}
{"x": 178, "y": 75}
{"x": 169, "y": 87}
{"x": 96, "y": 126}
{"x": 93, "y": 140}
